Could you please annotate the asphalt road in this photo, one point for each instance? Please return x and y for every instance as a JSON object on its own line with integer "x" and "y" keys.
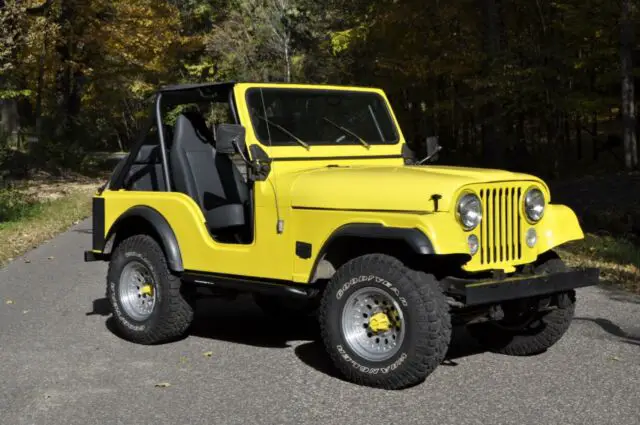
{"x": 60, "y": 363}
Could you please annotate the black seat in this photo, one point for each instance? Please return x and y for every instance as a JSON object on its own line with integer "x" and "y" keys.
{"x": 211, "y": 179}
{"x": 146, "y": 170}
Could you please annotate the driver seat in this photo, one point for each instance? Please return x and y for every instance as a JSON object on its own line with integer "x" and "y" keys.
{"x": 211, "y": 179}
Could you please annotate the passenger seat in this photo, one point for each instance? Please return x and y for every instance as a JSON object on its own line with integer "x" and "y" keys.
{"x": 211, "y": 179}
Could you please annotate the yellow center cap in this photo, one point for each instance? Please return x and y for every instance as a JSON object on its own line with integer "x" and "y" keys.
{"x": 379, "y": 322}
{"x": 146, "y": 290}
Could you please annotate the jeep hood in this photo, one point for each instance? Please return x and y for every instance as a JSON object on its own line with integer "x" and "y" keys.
{"x": 390, "y": 188}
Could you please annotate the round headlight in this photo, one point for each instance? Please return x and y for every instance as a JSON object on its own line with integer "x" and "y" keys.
{"x": 469, "y": 211}
{"x": 534, "y": 204}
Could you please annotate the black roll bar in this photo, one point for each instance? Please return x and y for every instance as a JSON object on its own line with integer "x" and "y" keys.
{"x": 163, "y": 152}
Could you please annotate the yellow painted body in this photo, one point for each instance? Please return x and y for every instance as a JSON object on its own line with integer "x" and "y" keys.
{"x": 314, "y": 200}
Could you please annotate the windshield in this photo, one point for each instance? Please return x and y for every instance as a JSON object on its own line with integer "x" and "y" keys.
{"x": 319, "y": 117}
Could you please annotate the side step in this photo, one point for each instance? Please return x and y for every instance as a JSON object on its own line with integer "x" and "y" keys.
{"x": 250, "y": 284}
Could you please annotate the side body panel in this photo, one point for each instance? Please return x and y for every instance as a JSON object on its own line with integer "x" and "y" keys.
{"x": 270, "y": 255}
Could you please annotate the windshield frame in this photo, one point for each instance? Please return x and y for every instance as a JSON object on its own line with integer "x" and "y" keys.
{"x": 397, "y": 135}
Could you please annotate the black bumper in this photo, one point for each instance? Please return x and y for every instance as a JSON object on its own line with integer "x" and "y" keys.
{"x": 492, "y": 291}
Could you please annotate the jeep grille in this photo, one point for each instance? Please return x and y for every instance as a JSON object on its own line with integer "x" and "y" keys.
{"x": 500, "y": 228}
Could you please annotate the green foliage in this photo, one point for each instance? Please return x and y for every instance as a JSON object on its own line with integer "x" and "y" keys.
{"x": 16, "y": 205}
{"x": 81, "y": 71}
{"x": 618, "y": 250}
{"x": 13, "y": 94}
{"x": 618, "y": 259}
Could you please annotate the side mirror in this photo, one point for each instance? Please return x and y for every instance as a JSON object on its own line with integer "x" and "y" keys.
{"x": 230, "y": 139}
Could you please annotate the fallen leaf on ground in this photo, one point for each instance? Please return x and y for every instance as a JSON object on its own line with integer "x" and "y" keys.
{"x": 9, "y": 301}
{"x": 208, "y": 354}
{"x": 163, "y": 385}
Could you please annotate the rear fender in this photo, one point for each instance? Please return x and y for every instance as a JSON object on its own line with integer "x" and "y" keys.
{"x": 160, "y": 227}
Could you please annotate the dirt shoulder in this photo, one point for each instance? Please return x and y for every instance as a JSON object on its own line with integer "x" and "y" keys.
{"x": 38, "y": 209}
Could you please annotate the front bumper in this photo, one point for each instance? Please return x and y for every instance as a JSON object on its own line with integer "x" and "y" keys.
{"x": 493, "y": 291}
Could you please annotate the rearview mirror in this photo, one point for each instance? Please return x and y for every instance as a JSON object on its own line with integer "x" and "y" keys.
{"x": 230, "y": 139}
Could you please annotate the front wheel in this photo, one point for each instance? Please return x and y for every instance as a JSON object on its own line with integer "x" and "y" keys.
{"x": 148, "y": 306}
{"x": 383, "y": 324}
{"x": 527, "y": 330}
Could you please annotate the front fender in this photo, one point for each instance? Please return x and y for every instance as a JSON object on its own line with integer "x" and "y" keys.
{"x": 558, "y": 226}
{"x": 414, "y": 238}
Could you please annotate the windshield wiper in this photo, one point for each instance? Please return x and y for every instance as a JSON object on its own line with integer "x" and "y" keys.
{"x": 284, "y": 130}
{"x": 346, "y": 130}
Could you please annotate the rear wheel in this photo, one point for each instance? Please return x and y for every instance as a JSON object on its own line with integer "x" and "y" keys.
{"x": 383, "y": 324}
{"x": 526, "y": 328}
{"x": 145, "y": 297}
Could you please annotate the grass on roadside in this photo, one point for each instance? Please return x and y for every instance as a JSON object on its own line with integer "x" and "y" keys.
{"x": 27, "y": 220}
{"x": 17, "y": 205}
{"x": 617, "y": 258}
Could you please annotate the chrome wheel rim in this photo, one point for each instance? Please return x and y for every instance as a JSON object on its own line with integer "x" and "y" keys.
{"x": 137, "y": 291}
{"x": 365, "y": 329}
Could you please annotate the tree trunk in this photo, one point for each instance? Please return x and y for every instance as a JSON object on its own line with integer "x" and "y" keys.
{"x": 566, "y": 148}
{"x": 492, "y": 143}
{"x": 40, "y": 89}
{"x": 579, "y": 136}
{"x": 287, "y": 60}
{"x": 594, "y": 136}
{"x": 628, "y": 95}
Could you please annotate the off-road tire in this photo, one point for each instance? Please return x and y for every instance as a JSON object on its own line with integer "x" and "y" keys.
{"x": 281, "y": 307}
{"x": 426, "y": 316}
{"x": 545, "y": 330}
{"x": 172, "y": 314}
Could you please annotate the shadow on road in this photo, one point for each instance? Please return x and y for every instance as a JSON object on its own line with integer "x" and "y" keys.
{"x": 462, "y": 345}
{"x": 251, "y": 327}
{"x": 239, "y": 321}
{"x": 242, "y": 322}
{"x": 101, "y": 307}
{"x": 313, "y": 353}
{"x": 612, "y": 329}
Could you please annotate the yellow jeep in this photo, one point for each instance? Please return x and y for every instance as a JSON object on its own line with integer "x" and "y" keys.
{"x": 307, "y": 197}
